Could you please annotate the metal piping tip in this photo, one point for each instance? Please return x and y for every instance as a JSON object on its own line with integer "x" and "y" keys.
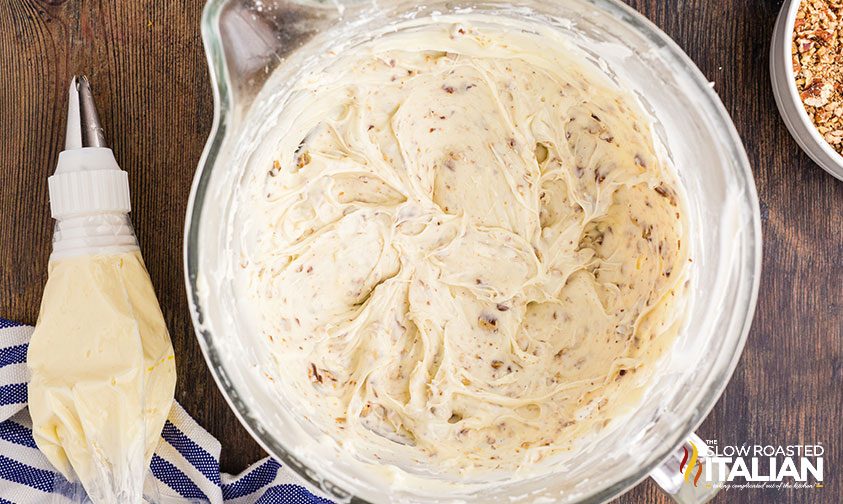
{"x": 83, "y": 123}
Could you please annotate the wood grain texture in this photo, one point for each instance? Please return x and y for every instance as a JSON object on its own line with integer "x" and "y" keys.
{"x": 147, "y": 65}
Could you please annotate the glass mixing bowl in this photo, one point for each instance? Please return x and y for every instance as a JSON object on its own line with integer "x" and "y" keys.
{"x": 254, "y": 45}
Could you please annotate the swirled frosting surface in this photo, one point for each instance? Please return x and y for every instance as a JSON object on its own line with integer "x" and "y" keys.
{"x": 465, "y": 253}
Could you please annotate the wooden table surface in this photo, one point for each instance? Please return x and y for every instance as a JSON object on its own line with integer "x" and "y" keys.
{"x": 147, "y": 65}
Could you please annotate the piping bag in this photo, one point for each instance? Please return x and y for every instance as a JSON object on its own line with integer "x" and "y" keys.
{"x": 102, "y": 366}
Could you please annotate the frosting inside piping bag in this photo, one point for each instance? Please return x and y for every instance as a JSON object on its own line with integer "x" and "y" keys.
{"x": 103, "y": 373}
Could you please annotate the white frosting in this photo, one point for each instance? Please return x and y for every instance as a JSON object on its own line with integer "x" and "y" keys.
{"x": 464, "y": 253}
{"x": 103, "y": 373}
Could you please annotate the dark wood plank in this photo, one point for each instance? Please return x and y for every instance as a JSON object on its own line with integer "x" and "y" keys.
{"x": 146, "y": 61}
{"x": 787, "y": 387}
{"x": 147, "y": 66}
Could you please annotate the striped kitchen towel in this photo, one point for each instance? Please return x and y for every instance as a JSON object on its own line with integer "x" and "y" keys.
{"x": 184, "y": 469}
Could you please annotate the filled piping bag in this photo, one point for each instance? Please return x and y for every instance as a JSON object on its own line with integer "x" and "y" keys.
{"x": 101, "y": 359}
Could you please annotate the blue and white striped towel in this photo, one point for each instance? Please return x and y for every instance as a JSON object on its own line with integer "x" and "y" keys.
{"x": 185, "y": 467}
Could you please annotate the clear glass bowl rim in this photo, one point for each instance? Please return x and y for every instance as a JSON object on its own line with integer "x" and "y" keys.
{"x": 223, "y": 101}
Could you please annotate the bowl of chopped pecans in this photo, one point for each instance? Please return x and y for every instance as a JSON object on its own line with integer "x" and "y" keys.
{"x": 806, "y": 69}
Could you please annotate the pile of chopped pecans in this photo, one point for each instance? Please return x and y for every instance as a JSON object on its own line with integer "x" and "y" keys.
{"x": 818, "y": 65}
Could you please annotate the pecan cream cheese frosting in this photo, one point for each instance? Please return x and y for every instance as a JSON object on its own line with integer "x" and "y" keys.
{"x": 466, "y": 253}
